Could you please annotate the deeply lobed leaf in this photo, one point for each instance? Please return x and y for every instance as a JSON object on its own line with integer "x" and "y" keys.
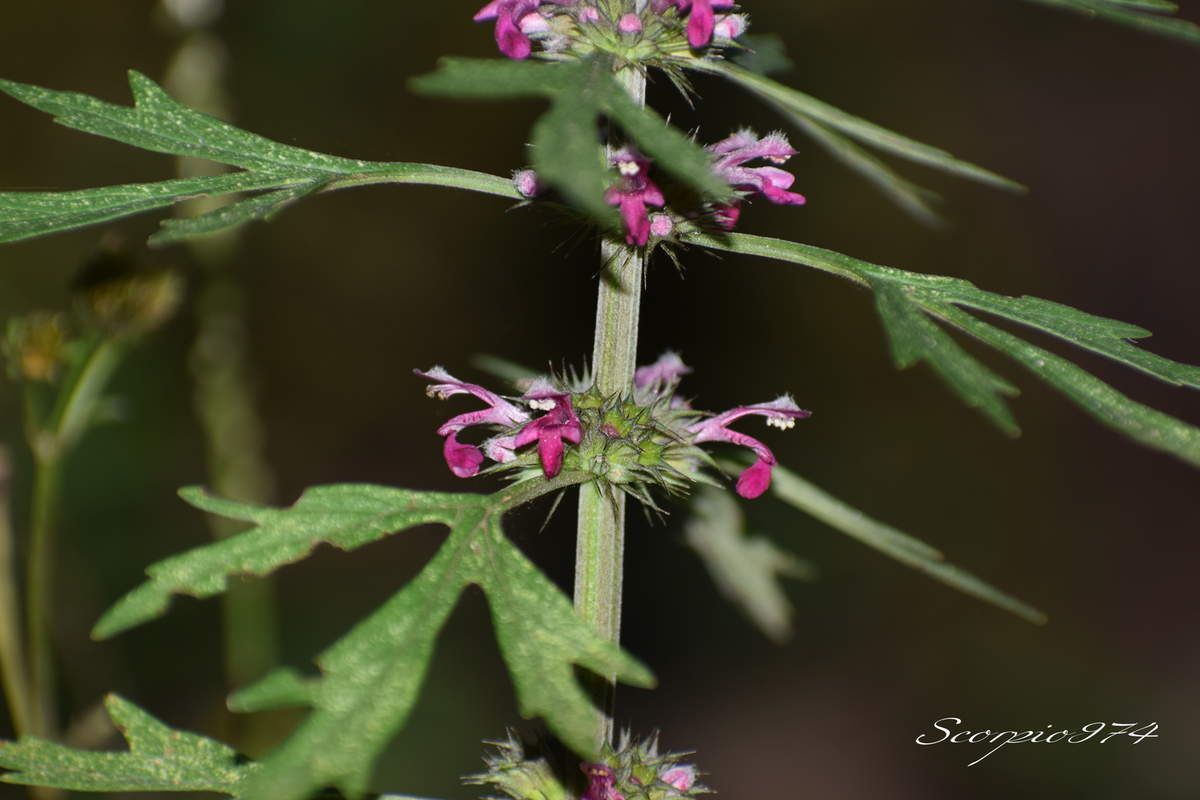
{"x": 910, "y": 302}
{"x": 157, "y": 122}
{"x": 370, "y": 679}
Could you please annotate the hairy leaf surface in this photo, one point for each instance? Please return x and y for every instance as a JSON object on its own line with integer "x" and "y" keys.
{"x": 160, "y": 759}
{"x": 276, "y": 175}
{"x": 369, "y": 680}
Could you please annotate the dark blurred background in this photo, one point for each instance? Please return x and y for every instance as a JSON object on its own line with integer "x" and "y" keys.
{"x": 348, "y": 292}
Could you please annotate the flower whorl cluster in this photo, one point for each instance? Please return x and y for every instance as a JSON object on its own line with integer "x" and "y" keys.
{"x": 648, "y": 439}
{"x": 634, "y": 192}
{"x": 661, "y": 29}
{"x": 634, "y": 770}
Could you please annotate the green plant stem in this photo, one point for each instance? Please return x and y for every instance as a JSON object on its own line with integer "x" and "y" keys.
{"x": 50, "y": 440}
{"x": 13, "y": 668}
{"x": 600, "y": 542}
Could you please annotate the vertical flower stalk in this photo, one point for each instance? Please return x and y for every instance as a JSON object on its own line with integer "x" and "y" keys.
{"x": 600, "y": 542}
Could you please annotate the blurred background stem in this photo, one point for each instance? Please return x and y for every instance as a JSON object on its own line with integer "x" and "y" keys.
{"x": 600, "y": 541}
{"x": 50, "y": 440}
{"x": 222, "y": 371}
{"x": 12, "y": 649}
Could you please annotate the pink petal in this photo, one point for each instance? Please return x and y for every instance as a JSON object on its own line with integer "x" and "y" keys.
{"x": 510, "y": 40}
{"x": 637, "y": 221}
{"x": 464, "y": 460}
{"x": 755, "y": 480}
{"x": 700, "y": 23}
{"x": 550, "y": 451}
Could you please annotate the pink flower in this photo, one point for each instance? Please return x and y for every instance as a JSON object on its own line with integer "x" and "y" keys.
{"x": 701, "y": 19}
{"x": 601, "y": 783}
{"x": 559, "y": 423}
{"x": 465, "y": 460}
{"x": 682, "y": 777}
{"x": 730, "y": 26}
{"x": 781, "y": 413}
{"x": 664, "y": 373}
{"x": 516, "y": 20}
{"x": 661, "y": 225}
{"x": 730, "y": 156}
{"x": 633, "y": 192}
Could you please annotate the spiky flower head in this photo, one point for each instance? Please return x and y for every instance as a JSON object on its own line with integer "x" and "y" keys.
{"x": 634, "y": 770}
{"x": 645, "y": 440}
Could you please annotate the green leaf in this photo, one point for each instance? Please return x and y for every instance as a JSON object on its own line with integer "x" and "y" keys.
{"x": 836, "y": 131}
{"x": 915, "y": 338}
{"x": 160, "y": 124}
{"x": 801, "y": 494}
{"x": 747, "y": 570}
{"x": 567, "y": 152}
{"x": 909, "y": 303}
{"x": 160, "y": 759}
{"x": 1146, "y": 15}
{"x": 370, "y": 679}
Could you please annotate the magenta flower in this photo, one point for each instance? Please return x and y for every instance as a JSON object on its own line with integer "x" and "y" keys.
{"x": 662, "y": 374}
{"x": 601, "y": 783}
{"x": 701, "y": 20}
{"x": 633, "y": 192}
{"x": 559, "y": 423}
{"x": 465, "y": 460}
{"x": 730, "y": 156}
{"x": 516, "y": 20}
{"x": 781, "y": 413}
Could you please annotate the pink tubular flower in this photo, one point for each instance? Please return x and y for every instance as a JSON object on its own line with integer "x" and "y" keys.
{"x": 515, "y": 21}
{"x": 701, "y": 20}
{"x": 464, "y": 460}
{"x": 633, "y": 192}
{"x": 559, "y": 423}
{"x": 781, "y": 413}
{"x": 730, "y": 156}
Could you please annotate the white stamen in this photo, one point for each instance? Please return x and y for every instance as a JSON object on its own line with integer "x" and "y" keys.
{"x": 628, "y": 168}
{"x": 542, "y": 404}
{"x": 783, "y": 423}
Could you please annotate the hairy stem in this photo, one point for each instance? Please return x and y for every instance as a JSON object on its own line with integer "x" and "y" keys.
{"x": 600, "y": 542}
{"x": 13, "y": 669}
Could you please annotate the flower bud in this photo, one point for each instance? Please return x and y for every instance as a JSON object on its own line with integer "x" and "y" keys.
{"x": 36, "y": 346}
{"x": 630, "y": 23}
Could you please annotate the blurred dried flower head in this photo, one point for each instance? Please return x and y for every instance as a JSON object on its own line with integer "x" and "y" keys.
{"x": 35, "y": 346}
